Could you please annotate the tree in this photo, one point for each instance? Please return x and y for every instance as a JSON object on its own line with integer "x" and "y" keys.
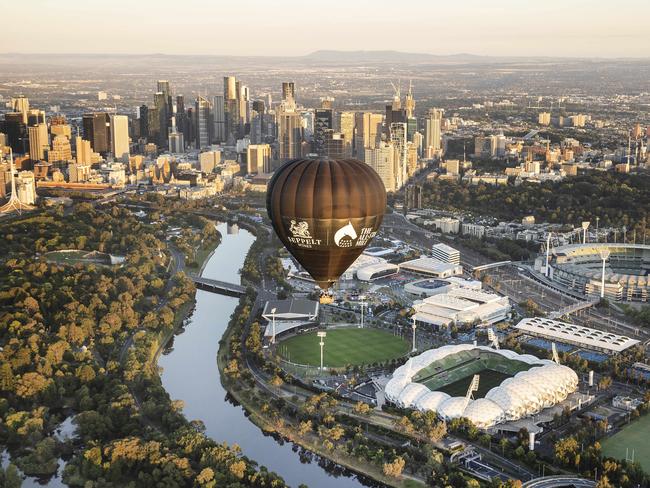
{"x": 394, "y": 468}
{"x": 604, "y": 383}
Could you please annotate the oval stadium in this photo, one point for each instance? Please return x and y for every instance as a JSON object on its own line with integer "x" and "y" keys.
{"x": 579, "y": 267}
{"x": 511, "y": 386}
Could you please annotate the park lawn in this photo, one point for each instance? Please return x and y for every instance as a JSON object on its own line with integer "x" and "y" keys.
{"x": 633, "y": 437}
{"x": 344, "y": 346}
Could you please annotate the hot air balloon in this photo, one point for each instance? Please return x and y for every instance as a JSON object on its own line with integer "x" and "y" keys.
{"x": 325, "y": 211}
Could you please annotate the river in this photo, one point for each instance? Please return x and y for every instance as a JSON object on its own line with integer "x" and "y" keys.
{"x": 190, "y": 373}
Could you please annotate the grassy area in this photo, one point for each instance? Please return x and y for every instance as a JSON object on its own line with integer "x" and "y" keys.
{"x": 633, "y": 437}
{"x": 489, "y": 379}
{"x": 344, "y": 346}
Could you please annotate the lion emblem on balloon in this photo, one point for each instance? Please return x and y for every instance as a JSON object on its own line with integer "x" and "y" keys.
{"x": 300, "y": 229}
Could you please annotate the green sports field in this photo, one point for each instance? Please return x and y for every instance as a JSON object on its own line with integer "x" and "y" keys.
{"x": 632, "y": 437}
{"x": 344, "y": 346}
{"x": 489, "y": 379}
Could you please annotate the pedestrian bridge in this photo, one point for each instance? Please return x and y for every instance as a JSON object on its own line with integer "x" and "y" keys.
{"x": 220, "y": 287}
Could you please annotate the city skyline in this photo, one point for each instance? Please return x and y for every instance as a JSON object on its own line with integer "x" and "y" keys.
{"x": 286, "y": 28}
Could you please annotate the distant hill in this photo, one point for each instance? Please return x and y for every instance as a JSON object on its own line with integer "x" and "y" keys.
{"x": 330, "y": 56}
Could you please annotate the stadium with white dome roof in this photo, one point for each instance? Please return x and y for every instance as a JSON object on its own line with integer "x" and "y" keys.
{"x": 510, "y": 386}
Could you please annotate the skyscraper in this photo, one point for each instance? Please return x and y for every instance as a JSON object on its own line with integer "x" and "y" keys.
{"x": 367, "y": 132}
{"x": 289, "y": 91}
{"x": 38, "y": 141}
{"x": 204, "y": 124}
{"x": 289, "y": 134}
{"x": 382, "y": 160}
{"x": 219, "y": 119}
{"x": 21, "y": 105}
{"x": 346, "y": 127}
{"x": 258, "y": 158}
{"x": 97, "y": 130}
{"x": 432, "y": 141}
{"x": 398, "y": 132}
{"x": 120, "y": 137}
{"x": 322, "y": 124}
{"x": 161, "y": 103}
{"x": 231, "y": 95}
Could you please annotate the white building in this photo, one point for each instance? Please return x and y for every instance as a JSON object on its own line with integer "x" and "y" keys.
{"x": 26, "y": 187}
{"x": 289, "y": 314}
{"x": 474, "y": 230}
{"x": 120, "y": 137}
{"x": 461, "y": 306}
{"x": 576, "y": 335}
{"x": 209, "y": 160}
{"x": 447, "y": 225}
{"x": 376, "y": 271}
{"x": 383, "y": 160}
{"x": 431, "y": 267}
{"x": 446, "y": 254}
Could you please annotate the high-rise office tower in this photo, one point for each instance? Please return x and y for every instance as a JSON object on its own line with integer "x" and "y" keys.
{"x": 97, "y": 130}
{"x": 259, "y": 108}
{"x": 382, "y": 160}
{"x": 289, "y": 134}
{"x": 38, "y": 141}
{"x": 176, "y": 138}
{"x": 181, "y": 118}
{"x": 163, "y": 87}
{"x": 367, "y": 132}
{"x": 322, "y": 124}
{"x": 204, "y": 123}
{"x": 20, "y": 105}
{"x": 432, "y": 125}
{"x": 258, "y": 158}
{"x": 143, "y": 120}
{"x": 288, "y": 91}
{"x": 334, "y": 144}
{"x": 231, "y": 96}
{"x": 16, "y": 132}
{"x": 61, "y": 150}
{"x": 219, "y": 119}
{"x": 409, "y": 103}
{"x": 59, "y": 127}
{"x": 161, "y": 100}
{"x": 346, "y": 127}
{"x": 120, "y": 137}
{"x": 398, "y": 139}
{"x": 244, "y": 107}
{"x": 153, "y": 125}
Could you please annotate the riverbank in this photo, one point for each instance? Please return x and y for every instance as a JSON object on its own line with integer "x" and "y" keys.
{"x": 312, "y": 445}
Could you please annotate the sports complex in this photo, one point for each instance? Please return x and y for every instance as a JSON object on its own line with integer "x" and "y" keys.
{"x": 347, "y": 345}
{"x": 580, "y": 268}
{"x": 510, "y": 386}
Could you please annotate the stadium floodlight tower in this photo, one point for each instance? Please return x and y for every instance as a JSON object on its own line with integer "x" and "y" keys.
{"x": 473, "y": 386}
{"x": 362, "y": 304}
{"x": 492, "y": 337}
{"x": 273, "y": 325}
{"x": 604, "y": 255}
{"x": 321, "y": 335}
{"x": 414, "y": 326}
{"x": 556, "y": 356}
{"x": 585, "y": 226}
{"x": 548, "y": 253}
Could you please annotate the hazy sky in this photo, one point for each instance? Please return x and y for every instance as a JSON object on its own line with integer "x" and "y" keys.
{"x": 294, "y": 27}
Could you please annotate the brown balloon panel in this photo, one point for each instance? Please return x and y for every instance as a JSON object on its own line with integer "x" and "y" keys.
{"x": 326, "y": 212}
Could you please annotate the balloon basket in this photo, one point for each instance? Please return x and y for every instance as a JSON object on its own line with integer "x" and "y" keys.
{"x": 326, "y": 299}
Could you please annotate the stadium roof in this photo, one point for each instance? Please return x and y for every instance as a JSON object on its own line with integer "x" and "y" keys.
{"x": 576, "y": 335}
{"x": 528, "y": 392}
{"x": 293, "y": 309}
{"x": 431, "y": 266}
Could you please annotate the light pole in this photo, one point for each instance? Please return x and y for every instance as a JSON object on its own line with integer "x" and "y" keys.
{"x": 363, "y": 304}
{"x": 414, "y": 326}
{"x": 273, "y": 322}
{"x": 585, "y": 226}
{"x": 604, "y": 254}
{"x": 597, "y": 220}
{"x": 321, "y": 336}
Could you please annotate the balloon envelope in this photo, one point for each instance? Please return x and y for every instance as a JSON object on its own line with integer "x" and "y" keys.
{"x": 325, "y": 211}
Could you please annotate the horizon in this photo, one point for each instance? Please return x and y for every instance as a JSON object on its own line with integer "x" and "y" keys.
{"x": 254, "y": 28}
